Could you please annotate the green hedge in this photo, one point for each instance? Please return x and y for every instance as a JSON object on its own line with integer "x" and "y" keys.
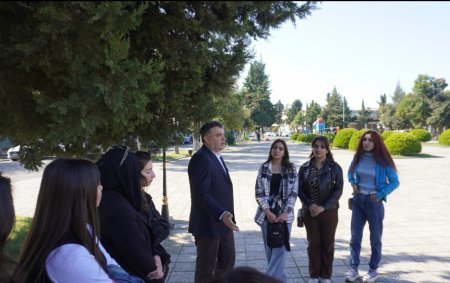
{"x": 386, "y": 134}
{"x": 403, "y": 144}
{"x": 353, "y": 143}
{"x": 343, "y": 137}
{"x": 294, "y": 136}
{"x": 444, "y": 138}
{"x": 307, "y": 138}
{"x": 330, "y": 137}
{"x": 421, "y": 134}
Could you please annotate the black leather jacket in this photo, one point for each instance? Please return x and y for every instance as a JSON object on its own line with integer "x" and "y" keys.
{"x": 330, "y": 184}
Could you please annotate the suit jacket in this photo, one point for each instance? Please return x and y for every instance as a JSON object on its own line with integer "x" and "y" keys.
{"x": 211, "y": 194}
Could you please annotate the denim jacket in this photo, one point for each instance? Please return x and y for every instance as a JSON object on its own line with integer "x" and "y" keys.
{"x": 262, "y": 191}
{"x": 386, "y": 179}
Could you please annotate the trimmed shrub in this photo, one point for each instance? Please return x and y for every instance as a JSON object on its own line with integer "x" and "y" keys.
{"x": 403, "y": 144}
{"x": 353, "y": 143}
{"x": 386, "y": 134}
{"x": 421, "y": 134}
{"x": 307, "y": 138}
{"x": 444, "y": 138}
{"x": 343, "y": 137}
{"x": 294, "y": 136}
{"x": 229, "y": 137}
{"x": 330, "y": 137}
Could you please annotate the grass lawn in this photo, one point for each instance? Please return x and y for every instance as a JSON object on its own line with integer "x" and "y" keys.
{"x": 170, "y": 155}
{"x": 17, "y": 237}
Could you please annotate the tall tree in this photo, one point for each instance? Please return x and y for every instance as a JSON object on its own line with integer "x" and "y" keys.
{"x": 279, "y": 110}
{"x": 363, "y": 116}
{"x": 333, "y": 111}
{"x": 312, "y": 112}
{"x": 257, "y": 89}
{"x": 94, "y": 73}
{"x": 293, "y": 110}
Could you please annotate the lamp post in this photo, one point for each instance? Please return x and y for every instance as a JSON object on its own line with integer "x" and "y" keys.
{"x": 343, "y": 112}
{"x": 165, "y": 200}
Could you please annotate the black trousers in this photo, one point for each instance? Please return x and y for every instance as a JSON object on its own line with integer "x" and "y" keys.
{"x": 215, "y": 256}
{"x": 320, "y": 231}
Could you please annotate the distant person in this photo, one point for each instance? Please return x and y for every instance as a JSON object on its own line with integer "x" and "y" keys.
{"x": 320, "y": 188}
{"x": 276, "y": 193}
{"x": 211, "y": 220}
{"x": 62, "y": 244}
{"x": 125, "y": 231}
{"x": 7, "y": 218}
{"x": 373, "y": 176}
{"x": 258, "y": 136}
{"x": 245, "y": 274}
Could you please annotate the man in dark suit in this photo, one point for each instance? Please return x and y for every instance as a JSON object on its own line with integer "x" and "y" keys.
{"x": 212, "y": 211}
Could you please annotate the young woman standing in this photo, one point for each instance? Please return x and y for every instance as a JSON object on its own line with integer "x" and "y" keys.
{"x": 320, "y": 188}
{"x": 373, "y": 176}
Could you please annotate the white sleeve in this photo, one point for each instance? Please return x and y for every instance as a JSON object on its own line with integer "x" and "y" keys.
{"x": 72, "y": 263}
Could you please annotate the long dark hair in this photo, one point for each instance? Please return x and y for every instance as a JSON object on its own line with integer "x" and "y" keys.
{"x": 380, "y": 152}
{"x": 7, "y": 218}
{"x": 285, "y": 162}
{"x": 67, "y": 203}
{"x": 325, "y": 141}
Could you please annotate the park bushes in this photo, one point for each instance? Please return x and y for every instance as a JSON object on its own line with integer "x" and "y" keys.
{"x": 386, "y": 134}
{"x": 342, "y": 138}
{"x": 444, "y": 138}
{"x": 354, "y": 140}
{"x": 306, "y": 138}
{"x": 421, "y": 134}
{"x": 403, "y": 144}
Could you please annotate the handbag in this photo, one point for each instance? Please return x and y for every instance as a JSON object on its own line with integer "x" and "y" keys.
{"x": 276, "y": 235}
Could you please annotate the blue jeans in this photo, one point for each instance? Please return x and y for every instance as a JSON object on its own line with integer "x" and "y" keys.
{"x": 119, "y": 275}
{"x": 364, "y": 209}
{"x": 276, "y": 257}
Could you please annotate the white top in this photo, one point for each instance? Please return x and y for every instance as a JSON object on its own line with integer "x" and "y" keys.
{"x": 73, "y": 263}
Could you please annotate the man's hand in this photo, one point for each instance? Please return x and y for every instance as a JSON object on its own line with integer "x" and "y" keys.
{"x": 158, "y": 273}
{"x": 227, "y": 219}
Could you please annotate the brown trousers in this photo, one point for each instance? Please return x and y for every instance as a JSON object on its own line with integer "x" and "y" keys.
{"x": 320, "y": 231}
{"x": 215, "y": 256}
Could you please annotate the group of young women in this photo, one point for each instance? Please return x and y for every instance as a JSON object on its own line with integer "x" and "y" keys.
{"x": 76, "y": 200}
{"x": 319, "y": 185}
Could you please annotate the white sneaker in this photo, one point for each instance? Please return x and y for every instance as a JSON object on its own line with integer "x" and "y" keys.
{"x": 325, "y": 281}
{"x": 313, "y": 280}
{"x": 371, "y": 276}
{"x": 352, "y": 275}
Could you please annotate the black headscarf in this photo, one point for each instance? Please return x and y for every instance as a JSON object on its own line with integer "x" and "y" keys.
{"x": 119, "y": 172}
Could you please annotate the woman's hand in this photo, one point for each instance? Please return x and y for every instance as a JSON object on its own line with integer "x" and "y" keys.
{"x": 158, "y": 273}
{"x": 355, "y": 189}
{"x": 282, "y": 217}
{"x": 315, "y": 209}
{"x": 271, "y": 217}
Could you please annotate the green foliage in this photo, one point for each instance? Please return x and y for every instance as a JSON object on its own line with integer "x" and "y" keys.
{"x": 386, "y": 134}
{"x": 306, "y": 138}
{"x": 342, "y": 138}
{"x": 229, "y": 138}
{"x": 330, "y": 137}
{"x": 91, "y": 74}
{"x": 354, "y": 140}
{"x": 444, "y": 138}
{"x": 17, "y": 237}
{"x": 403, "y": 144}
{"x": 294, "y": 136}
{"x": 421, "y": 134}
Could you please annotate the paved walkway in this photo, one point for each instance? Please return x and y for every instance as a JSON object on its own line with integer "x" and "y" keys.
{"x": 416, "y": 240}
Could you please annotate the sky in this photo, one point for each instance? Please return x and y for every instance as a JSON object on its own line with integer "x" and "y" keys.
{"x": 364, "y": 49}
